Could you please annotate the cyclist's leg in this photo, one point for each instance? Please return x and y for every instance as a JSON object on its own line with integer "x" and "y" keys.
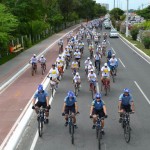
{"x": 94, "y": 118}
{"x": 66, "y": 115}
{"x": 37, "y": 106}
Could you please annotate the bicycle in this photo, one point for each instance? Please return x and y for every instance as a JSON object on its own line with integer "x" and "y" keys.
{"x": 40, "y": 118}
{"x": 92, "y": 88}
{"x": 99, "y": 129}
{"x": 43, "y": 68}
{"x": 71, "y": 126}
{"x": 113, "y": 73}
{"x": 76, "y": 88}
{"x": 126, "y": 125}
{"x": 60, "y": 48}
{"x": 97, "y": 66}
{"x": 91, "y": 54}
{"x": 33, "y": 69}
{"x": 106, "y": 84}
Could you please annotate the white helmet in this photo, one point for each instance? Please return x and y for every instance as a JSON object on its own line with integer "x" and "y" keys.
{"x": 34, "y": 54}
{"x": 90, "y": 63}
{"x": 92, "y": 70}
{"x": 113, "y": 54}
{"x": 88, "y": 58}
{"x": 59, "y": 55}
{"x": 77, "y": 73}
{"x": 42, "y": 56}
{"x": 105, "y": 64}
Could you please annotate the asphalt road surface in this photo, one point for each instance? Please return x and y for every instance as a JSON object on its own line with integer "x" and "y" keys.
{"x": 133, "y": 72}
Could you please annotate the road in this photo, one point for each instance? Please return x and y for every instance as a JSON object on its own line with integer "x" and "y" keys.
{"x": 133, "y": 72}
{"x": 16, "y": 96}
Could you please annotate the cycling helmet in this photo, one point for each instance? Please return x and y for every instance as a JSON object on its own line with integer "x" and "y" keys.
{"x": 34, "y": 55}
{"x": 113, "y": 54}
{"x": 40, "y": 87}
{"x": 88, "y": 58}
{"x": 77, "y": 73}
{"x": 59, "y": 55}
{"x": 126, "y": 90}
{"x": 98, "y": 95}
{"x": 92, "y": 70}
{"x": 42, "y": 56}
{"x": 70, "y": 94}
{"x": 105, "y": 64}
{"x": 90, "y": 63}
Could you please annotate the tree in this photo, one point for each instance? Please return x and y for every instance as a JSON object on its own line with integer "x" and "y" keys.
{"x": 116, "y": 13}
{"x": 8, "y": 23}
{"x": 144, "y": 13}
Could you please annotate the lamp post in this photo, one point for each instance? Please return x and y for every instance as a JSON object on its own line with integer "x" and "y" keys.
{"x": 114, "y": 3}
{"x": 127, "y": 16}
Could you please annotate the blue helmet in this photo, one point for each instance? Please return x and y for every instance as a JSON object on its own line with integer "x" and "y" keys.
{"x": 40, "y": 87}
{"x": 126, "y": 90}
{"x": 98, "y": 95}
{"x": 70, "y": 94}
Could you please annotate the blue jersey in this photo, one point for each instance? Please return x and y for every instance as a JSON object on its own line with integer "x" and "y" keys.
{"x": 70, "y": 102}
{"x": 98, "y": 105}
{"x": 126, "y": 100}
{"x": 41, "y": 96}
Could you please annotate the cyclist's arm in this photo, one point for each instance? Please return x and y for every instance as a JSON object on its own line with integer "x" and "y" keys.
{"x": 91, "y": 110}
{"x": 64, "y": 106}
{"x": 34, "y": 99}
{"x": 76, "y": 107}
{"x": 132, "y": 106}
{"x": 47, "y": 100}
{"x": 104, "y": 109}
{"x": 119, "y": 105}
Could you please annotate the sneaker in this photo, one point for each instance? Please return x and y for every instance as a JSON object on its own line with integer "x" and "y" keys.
{"x": 75, "y": 126}
{"x": 93, "y": 127}
{"x": 66, "y": 123}
{"x": 120, "y": 120}
{"x": 103, "y": 131}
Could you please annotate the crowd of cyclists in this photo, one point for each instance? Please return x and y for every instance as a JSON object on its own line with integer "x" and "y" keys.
{"x": 94, "y": 67}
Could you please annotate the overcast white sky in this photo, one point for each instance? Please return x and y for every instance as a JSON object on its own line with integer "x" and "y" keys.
{"x": 133, "y": 4}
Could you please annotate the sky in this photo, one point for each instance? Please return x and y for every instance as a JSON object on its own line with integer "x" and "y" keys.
{"x": 133, "y": 4}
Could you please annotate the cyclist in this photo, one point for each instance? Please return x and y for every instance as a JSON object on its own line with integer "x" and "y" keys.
{"x": 96, "y": 39}
{"x": 105, "y": 73}
{"x": 74, "y": 66}
{"x": 126, "y": 103}
{"x": 113, "y": 64}
{"x": 109, "y": 54}
{"x": 54, "y": 74}
{"x": 105, "y": 36}
{"x": 77, "y": 56}
{"x": 92, "y": 78}
{"x": 90, "y": 67}
{"x": 70, "y": 105}
{"x": 87, "y": 62}
{"x": 77, "y": 79}
{"x": 42, "y": 60}
{"x": 98, "y": 108}
{"x": 97, "y": 58}
{"x": 60, "y": 44}
{"x": 61, "y": 59}
{"x": 42, "y": 100}
{"x": 34, "y": 60}
{"x": 60, "y": 67}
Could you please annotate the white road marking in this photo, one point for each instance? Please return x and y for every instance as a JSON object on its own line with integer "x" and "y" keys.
{"x": 108, "y": 42}
{"x": 97, "y": 87}
{"x": 122, "y": 63}
{"x": 142, "y": 92}
{"x": 136, "y": 52}
{"x": 113, "y": 50}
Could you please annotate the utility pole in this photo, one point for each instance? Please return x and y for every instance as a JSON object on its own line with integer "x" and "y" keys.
{"x": 127, "y": 16}
{"x": 114, "y": 3}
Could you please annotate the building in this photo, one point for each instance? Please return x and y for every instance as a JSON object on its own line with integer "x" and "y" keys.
{"x": 105, "y": 5}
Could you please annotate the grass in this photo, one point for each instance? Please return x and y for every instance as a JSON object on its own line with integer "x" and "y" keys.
{"x": 137, "y": 44}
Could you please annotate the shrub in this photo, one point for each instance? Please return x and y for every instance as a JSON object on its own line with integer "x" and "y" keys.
{"x": 146, "y": 39}
{"x": 134, "y": 32}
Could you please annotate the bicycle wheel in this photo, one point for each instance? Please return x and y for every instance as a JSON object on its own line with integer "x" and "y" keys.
{"x": 67, "y": 63}
{"x": 69, "y": 127}
{"x": 52, "y": 91}
{"x": 76, "y": 91}
{"x": 106, "y": 90}
{"x": 32, "y": 72}
{"x": 97, "y": 133}
{"x": 43, "y": 70}
{"x": 127, "y": 133}
{"x": 72, "y": 134}
{"x": 40, "y": 127}
{"x": 99, "y": 139}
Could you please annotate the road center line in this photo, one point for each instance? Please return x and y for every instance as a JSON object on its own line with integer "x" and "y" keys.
{"x": 122, "y": 63}
{"x": 113, "y": 50}
{"x": 142, "y": 92}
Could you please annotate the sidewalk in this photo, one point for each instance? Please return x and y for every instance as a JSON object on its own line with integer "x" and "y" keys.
{"x": 10, "y": 68}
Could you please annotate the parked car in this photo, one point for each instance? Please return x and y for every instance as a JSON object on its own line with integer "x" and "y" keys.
{"x": 113, "y": 33}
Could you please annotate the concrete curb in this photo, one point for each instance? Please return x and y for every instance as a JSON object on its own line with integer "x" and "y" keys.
{"x": 135, "y": 48}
